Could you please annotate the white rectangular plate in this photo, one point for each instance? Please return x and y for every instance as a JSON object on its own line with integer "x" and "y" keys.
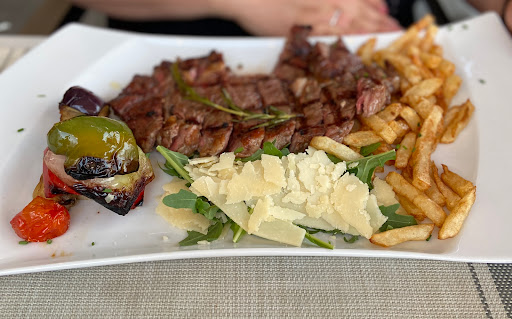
{"x": 97, "y": 59}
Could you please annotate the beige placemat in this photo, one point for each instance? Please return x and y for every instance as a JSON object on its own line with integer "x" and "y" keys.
{"x": 258, "y": 287}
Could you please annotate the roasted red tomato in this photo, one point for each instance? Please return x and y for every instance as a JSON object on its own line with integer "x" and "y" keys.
{"x": 40, "y": 220}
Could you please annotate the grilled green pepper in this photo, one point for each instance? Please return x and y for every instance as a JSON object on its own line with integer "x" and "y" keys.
{"x": 94, "y": 147}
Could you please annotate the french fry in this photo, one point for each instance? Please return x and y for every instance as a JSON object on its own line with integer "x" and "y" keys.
{"x": 424, "y": 22}
{"x": 399, "y": 235}
{"x": 459, "y": 122}
{"x": 390, "y": 112}
{"x": 400, "y": 127}
{"x": 451, "y": 197}
{"x": 380, "y": 127}
{"x": 460, "y": 185}
{"x": 433, "y": 211}
{"x": 330, "y": 146}
{"x": 424, "y": 148}
{"x": 457, "y": 216}
{"x": 403, "y": 154}
{"x": 434, "y": 193}
{"x": 365, "y": 51}
{"x": 424, "y": 88}
{"x": 399, "y": 43}
{"x": 431, "y": 61}
{"x": 450, "y": 88}
{"x": 421, "y": 105}
{"x": 436, "y": 50}
{"x": 428, "y": 39}
{"x": 411, "y": 209}
{"x": 361, "y": 138}
{"x": 405, "y": 67}
{"x": 411, "y": 117}
{"x": 445, "y": 69}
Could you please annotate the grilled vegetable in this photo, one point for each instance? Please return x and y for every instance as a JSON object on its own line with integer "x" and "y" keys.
{"x": 82, "y": 100}
{"x": 41, "y": 220}
{"x": 94, "y": 147}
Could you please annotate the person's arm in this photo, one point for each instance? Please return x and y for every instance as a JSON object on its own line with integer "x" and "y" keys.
{"x": 260, "y": 17}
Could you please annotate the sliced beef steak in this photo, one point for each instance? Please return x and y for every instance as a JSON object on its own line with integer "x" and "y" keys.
{"x": 280, "y": 135}
{"x": 214, "y": 140}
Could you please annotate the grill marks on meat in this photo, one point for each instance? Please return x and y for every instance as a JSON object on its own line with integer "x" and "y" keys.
{"x": 325, "y": 83}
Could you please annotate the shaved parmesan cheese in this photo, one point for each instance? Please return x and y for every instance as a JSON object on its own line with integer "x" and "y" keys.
{"x": 383, "y": 192}
{"x": 285, "y": 213}
{"x": 259, "y": 215}
{"x": 250, "y": 183}
{"x": 351, "y": 205}
{"x": 317, "y": 223}
{"x": 181, "y": 218}
{"x": 273, "y": 170}
{"x": 226, "y": 161}
{"x": 377, "y": 219}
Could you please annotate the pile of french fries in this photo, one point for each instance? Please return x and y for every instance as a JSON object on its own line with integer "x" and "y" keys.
{"x": 414, "y": 123}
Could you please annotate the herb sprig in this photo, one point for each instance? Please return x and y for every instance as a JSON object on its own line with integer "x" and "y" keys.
{"x": 274, "y": 117}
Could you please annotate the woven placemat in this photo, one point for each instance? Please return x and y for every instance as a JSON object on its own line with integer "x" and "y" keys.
{"x": 259, "y": 287}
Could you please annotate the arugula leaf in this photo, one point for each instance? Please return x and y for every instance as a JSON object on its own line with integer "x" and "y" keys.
{"x": 367, "y": 165}
{"x": 182, "y": 199}
{"x": 193, "y": 237}
{"x": 204, "y": 208}
{"x": 269, "y": 149}
{"x": 176, "y": 161}
{"x": 238, "y": 232}
{"x": 316, "y": 230}
{"x": 333, "y": 158}
{"x": 395, "y": 220}
{"x": 367, "y": 150}
{"x": 239, "y": 150}
{"x": 352, "y": 239}
{"x": 318, "y": 242}
{"x": 254, "y": 157}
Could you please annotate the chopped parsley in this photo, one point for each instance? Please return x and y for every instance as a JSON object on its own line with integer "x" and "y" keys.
{"x": 49, "y": 241}
{"x": 482, "y": 81}
{"x": 419, "y": 135}
{"x": 23, "y": 242}
{"x": 398, "y": 146}
{"x": 93, "y": 243}
{"x": 41, "y": 95}
{"x": 465, "y": 26}
{"x": 429, "y": 237}
{"x": 21, "y": 130}
{"x": 365, "y": 74}
{"x": 413, "y": 149}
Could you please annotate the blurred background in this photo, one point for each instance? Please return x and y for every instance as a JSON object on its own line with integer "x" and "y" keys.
{"x": 42, "y": 17}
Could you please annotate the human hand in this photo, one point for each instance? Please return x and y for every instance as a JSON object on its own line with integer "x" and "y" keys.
{"x": 276, "y": 17}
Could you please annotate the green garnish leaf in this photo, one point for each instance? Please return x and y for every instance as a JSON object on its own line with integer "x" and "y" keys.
{"x": 193, "y": 237}
{"x": 268, "y": 149}
{"x": 352, "y": 239}
{"x": 318, "y": 242}
{"x": 365, "y": 74}
{"x": 397, "y": 147}
{"x": 367, "y": 150}
{"x": 465, "y": 26}
{"x": 413, "y": 149}
{"x": 482, "y": 81}
{"x": 93, "y": 243}
{"x": 20, "y": 130}
{"x": 316, "y": 230}
{"x": 333, "y": 158}
{"x": 395, "y": 220}
{"x": 254, "y": 157}
{"x": 239, "y": 150}
{"x": 175, "y": 165}
{"x": 428, "y": 239}
{"x": 204, "y": 208}
{"x": 41, "y": 95}
{"x": 23, "y": 242}
{"x": 419, "y": 135}
{"x": 238, "y": 232}
{"x": 49, "y": 241}
{"x": 367, "y": 165}
{"x": 107, "y": 190}
{"x": 182, "y": 199}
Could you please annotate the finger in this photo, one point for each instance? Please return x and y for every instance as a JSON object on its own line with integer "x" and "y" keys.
{"x": 379, "y": 5}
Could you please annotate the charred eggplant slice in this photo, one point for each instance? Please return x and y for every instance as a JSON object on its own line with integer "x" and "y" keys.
{"x": 118, "y": 193}
{"x": 94, "y": 147}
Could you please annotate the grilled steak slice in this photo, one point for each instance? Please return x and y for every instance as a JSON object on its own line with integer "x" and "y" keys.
{"x": 205, "y": 71}
{"x": 188, "y": 110}
{"x": 169, "y": 131}
{"x": 344, "y": 86}
{"x": 124, "y": 103}
{"x": 313, "y": 115}
{"x": 338, "y": 132}
{"x": 371, "y": 97}
{"x": 245, "y": 96}
{"x": 212, "y": 93}
{"x": 145, "y": 120}
{"x": 141, "y": 85}
{"x": 234, "y": 79}
{"x": 217, "y": 118}
{"x": 162, "y": 77}
{"x": 301, "y": 138}
{"x": 187, "y": 140}
{"x": 214, "y": 140}
{"x": 280, "y": 135}
{"x": 250, "y": 140}
{"x": 346, "y": 108}
{"x": 272, "y": 92}
{"x": 293, "y": 60}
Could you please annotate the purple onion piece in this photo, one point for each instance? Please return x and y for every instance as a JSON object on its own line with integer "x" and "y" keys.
{"x": 82, "y": 100}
